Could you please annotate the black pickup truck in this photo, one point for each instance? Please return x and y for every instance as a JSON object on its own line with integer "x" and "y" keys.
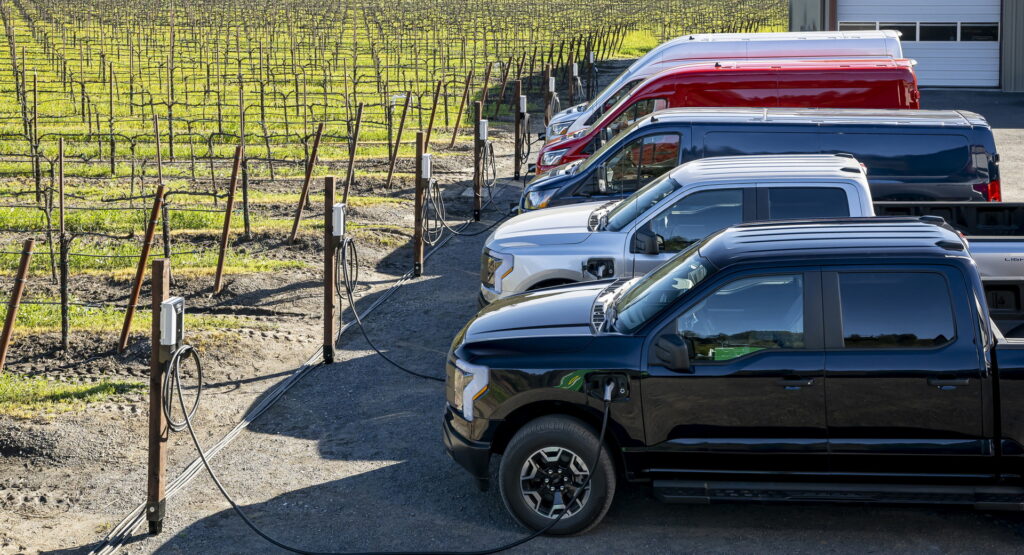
{"x": 720, "y": 360}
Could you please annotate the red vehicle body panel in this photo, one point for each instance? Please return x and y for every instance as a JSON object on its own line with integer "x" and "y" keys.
{"x": 882, "y": 84}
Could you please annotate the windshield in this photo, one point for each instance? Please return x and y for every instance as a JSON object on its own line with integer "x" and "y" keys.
{"x": 641, "y": 201}
{"x": 660, "y": 289}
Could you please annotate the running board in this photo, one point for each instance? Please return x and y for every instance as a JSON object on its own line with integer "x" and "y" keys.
{"x": 989, "y": 498}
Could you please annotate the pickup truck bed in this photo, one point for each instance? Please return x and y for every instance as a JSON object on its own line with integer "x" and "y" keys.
{"x": 995, "y": 236}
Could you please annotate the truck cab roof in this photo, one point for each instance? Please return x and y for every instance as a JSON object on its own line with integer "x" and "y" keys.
{"x": 803, "y": 240}
{"x": 769, "y": 168}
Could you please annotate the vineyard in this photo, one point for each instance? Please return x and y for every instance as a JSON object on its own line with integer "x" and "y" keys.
{"x": 108, "y": 105}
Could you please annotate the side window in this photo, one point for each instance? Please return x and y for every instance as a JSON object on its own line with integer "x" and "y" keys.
{"x": 746, "y": 316}
{"x": 789, "y": 203}
{"x": 635, "y": 112}
{"x": 696, "y": 216}
{"x": 895, "y": 310}
{"x": 638, "y": 163}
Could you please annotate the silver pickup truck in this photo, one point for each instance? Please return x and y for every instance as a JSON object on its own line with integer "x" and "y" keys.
{"x": 583, "y": 242}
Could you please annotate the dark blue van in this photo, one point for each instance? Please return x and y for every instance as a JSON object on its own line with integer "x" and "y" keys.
{"x": 911, "y": 155}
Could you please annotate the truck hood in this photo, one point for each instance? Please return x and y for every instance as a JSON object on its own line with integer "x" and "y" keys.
{"x": 562, "y": 225}
{"x": 543, "y": 313}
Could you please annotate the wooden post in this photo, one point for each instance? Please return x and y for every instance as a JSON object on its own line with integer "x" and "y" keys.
{"x": 351, "y": 171}
{"x": 419, "y": 199}
{"x": 462, "y": 106}
{"x": 15, "y": 300}
{"x": 398, "y": 142}
{"x": 156, "y": 477}
{"x": 433, "y": 112}
{"x": 518, "y": 101}
{"x": 140, "y": 270}
{"x": 65, "y": 318}
{"x": 549, "y": 96}
{"x": 478, "y": 159}
{"x": 330, "y": 269}
{"x": 304, "y": 193}
{"x": 245, "y": 162}
{"x": 227, "y": 214}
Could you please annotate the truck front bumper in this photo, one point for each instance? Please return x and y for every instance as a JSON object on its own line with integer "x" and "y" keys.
{"x": 474, "y": 456}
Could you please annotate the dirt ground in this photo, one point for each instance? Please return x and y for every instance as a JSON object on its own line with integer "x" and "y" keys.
{"x": 351, "y": 457}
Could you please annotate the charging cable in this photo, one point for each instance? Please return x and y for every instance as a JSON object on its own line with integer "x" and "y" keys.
{"x": 175, "y": 376}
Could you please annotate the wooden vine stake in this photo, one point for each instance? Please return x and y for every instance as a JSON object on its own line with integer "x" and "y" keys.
{"x": 15, "y": 300}
{"x": 217, "y": 280}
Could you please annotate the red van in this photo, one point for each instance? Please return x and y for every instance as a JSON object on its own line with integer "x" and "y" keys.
{"x": 758, "y": 84}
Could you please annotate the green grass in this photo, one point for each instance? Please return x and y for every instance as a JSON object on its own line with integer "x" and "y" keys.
{"x": 24, "y": 397}
{"x": 41, "y": 318}
{"x": 637, "y": 43}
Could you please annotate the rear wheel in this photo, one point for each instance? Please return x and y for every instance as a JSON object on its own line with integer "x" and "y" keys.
{"x": 544, "y": 466}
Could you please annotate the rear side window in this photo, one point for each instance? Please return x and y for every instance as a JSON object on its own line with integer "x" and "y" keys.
{"x": 902, "y": 154}
{"x": 729, "y": 143}
{"x": 790, "y": 203}
{"x": 895, "y": 310}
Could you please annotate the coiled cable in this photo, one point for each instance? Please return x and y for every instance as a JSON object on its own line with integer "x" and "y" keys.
{"x": 173, "y": 374}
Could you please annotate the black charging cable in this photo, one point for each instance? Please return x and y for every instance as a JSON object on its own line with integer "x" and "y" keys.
{"x": 173, "y": 374}
{"x": 347, "y": 247}
{"x": 609, "y": 388}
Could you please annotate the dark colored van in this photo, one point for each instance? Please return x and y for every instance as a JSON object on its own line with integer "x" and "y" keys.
{"x": 911, "y": 155}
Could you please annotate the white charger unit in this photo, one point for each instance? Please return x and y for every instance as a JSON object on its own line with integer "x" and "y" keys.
{"x": 338, "y": 219}
{"x": 551, "y": 84}
{"x": 522, "y": 104}
{"x": 483, "y": 130}
{"x": 427, "y": 168}
{"x": 172, "y": 322}
{"x": 575, "y": 69}
{"x": 590, "y": 57}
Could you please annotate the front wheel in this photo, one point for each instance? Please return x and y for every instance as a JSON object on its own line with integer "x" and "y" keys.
{"x": 544, "y": 466}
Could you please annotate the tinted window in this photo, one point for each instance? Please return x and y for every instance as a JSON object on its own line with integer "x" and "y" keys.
{"x": 746, "y": 316}
{"x": 938, "y": 31}
{"x": 979, "y": 32}
{"x": 696, "y": 216}
{"x": 733, "y": 143}
{"x": 635, "y": 112}
{"x": 788, "y": 203}
{"x": 895, "y": 310}
{"x": 902, "y": 155}
{"x": 638, "y": 163}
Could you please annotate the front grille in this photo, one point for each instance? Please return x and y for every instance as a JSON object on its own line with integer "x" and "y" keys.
{"x": 597, "y": 314}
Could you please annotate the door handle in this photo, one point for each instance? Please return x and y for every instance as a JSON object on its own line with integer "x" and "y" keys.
{"x": 948, "y": 382}
{"x": 795, "y": 383}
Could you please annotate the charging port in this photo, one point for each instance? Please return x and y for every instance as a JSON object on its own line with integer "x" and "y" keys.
{"x": 596, "y": 384}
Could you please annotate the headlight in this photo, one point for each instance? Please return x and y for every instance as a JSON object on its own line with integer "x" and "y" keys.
{"x": 470, "y": 383}
{"x": 539, "y": 199}
{"x": 493, "y": 267}
{"x": 556, "y": 129}
{"x": 553, "y": 157}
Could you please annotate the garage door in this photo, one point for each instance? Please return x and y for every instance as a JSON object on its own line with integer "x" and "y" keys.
{"x": 955, "y": 42}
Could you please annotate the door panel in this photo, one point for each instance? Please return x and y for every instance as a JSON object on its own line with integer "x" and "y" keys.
{"x": 753, "y": 399}
{"x": 904, "y": 374}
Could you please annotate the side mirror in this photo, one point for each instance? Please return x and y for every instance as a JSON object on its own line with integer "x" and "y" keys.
{"x": 670, "y": 351}
{"x": 601, "y": 176}
{"x": 646, "y": 242}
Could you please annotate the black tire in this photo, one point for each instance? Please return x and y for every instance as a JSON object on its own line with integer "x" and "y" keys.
{"x": 567, "y": 433}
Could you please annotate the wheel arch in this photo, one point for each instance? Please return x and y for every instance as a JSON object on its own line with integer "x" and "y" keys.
{"x": 590, "y": 416}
